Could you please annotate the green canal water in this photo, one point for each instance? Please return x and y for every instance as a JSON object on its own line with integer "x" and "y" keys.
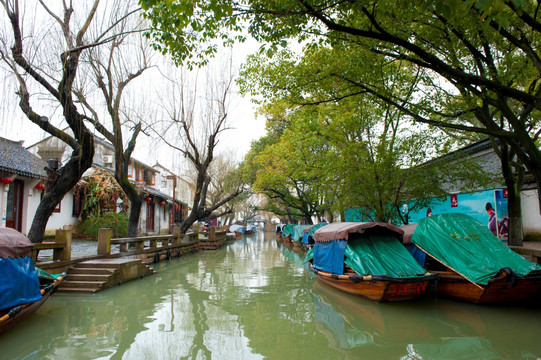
{"x": 255, "y": 299}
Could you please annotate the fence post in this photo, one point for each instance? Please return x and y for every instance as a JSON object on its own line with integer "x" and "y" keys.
{"x": 62, "y": 237}
{"x": 176, "y": 235}
{"x": 212, "y": 233}
{"x": 104, "y": 241}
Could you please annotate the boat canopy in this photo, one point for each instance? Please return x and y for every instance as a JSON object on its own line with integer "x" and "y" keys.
{"x": 279, "y": 228}
{"x": 298, "y": 231}
{"x": 309, "y": 232}
{"x": 251, "y": 227}
{"x": 342, "y": 230}
{"x": 20, "y": 283}
{"x": 236, "y": 228}
{"x": 287, "y": 230}
{"x": 468, "y": 247}
{"x": 367, "y": 248}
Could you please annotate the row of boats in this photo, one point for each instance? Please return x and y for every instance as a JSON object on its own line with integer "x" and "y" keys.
{"x": 452, "y": 255}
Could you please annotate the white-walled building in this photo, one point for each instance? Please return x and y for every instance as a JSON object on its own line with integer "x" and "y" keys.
{"x": 22, "y": 175}
{"x": 160, "y": 199}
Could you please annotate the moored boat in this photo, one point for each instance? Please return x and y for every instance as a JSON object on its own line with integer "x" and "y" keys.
{"x": 297, "y": 234}
{"x": 250, "y": 229}
{"x": 24, "y": 288}
{"x": 237, "y": 229}
{"x": 475, "y": 266}
{"x": 308, "y": 234}
{"x": 287, "y": 232}
{"x": 367, "y": 259}
{"x": 278, "y": 231}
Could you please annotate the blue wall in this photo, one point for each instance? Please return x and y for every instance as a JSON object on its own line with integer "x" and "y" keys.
{"x": 472, "y": 204}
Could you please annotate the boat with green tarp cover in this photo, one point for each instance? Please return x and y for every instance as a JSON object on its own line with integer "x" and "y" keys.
{"x": 298, "y": 232}
{"x": 308, "y": 236}
{"x": 368, "y": 259}
{"x": 23, "y": 288}
{"x": 287, "y": 232}
{"x": 474, "y": 264}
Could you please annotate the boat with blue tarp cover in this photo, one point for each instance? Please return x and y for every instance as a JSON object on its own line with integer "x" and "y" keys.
{"x": 369, "y": 260}
{"x": 250, "y": 229}
{"x": 23, "y": 288}
{"x": 474, "y": 265}
{"x": 237, "y": 229}
{"x": 308, "y": 234}
{"x": 298, "y": 232}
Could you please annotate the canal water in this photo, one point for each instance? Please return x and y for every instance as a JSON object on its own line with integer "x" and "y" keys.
{"x": 255, "y": 299}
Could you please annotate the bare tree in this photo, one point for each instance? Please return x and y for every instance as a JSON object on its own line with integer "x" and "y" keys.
{"x": 52, "y": 76}
{"x": 225, "y": 177}
{"x": 114, "y": 66}
{"x": 197, "y": 122}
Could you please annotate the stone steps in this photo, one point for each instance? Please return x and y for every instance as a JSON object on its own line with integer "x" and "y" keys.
{"x": 95, "y": 275}
{"x": 89, "y": 270}
{"x": 88, "y": 277}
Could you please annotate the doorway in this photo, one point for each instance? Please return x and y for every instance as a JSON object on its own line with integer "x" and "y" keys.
{"x": 14, "y": 208}
{"x": 150, "y": 216}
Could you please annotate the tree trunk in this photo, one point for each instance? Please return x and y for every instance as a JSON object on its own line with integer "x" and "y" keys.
{"x": 67, "y": 178}
{"x": 135, "y": 204}
{"x": 514, "y": 203}
{"x": 135, "y": 212}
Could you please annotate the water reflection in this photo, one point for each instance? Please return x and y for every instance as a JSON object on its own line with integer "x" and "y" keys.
{"x": 254, "y": 299}
{"x": 426, "y": 329}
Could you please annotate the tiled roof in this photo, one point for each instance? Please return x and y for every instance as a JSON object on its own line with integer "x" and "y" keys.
{"x": 15, "y": 159}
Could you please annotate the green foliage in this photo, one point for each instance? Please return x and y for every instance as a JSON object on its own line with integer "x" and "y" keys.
{"x": 117, "y": 222}
{"x": 476, "y": 62}
{"x": 470, "y": 68}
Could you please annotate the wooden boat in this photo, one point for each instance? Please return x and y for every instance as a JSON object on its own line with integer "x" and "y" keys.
{"x": 308, "y": 234}
{"x": 278, "y": 231}
{"x": 13, "y": 316}
{"x": 474, "y": 265}
{"x": 297, "y": 234}
{"x": 287, "y": 232}
{"x": 250, "y": 229}
{"x": 237, "y": 229}
{"x": 354, "y": 257}
{"x": 22, "y": 290}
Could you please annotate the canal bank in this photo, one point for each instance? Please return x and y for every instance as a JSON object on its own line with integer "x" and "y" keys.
{"x": 255, "y": 299}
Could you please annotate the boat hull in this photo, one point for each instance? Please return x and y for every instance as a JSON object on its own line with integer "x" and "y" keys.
{"x": 377, "y": 289}
{"x": 498, "y": 290}
{"x": 26, "y": 309}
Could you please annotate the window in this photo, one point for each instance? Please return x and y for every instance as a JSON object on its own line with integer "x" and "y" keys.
{"x": 139, "y": 174}
{"x": 150, "y": 177}
{"x": 130, "y": 170}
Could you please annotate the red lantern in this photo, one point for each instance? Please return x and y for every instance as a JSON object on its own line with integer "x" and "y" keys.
{"x": 6, "y": 180}
{"x": 40, "y": 187}
{"x": 162, "y": 203}
{"x": 148, "y": 199}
